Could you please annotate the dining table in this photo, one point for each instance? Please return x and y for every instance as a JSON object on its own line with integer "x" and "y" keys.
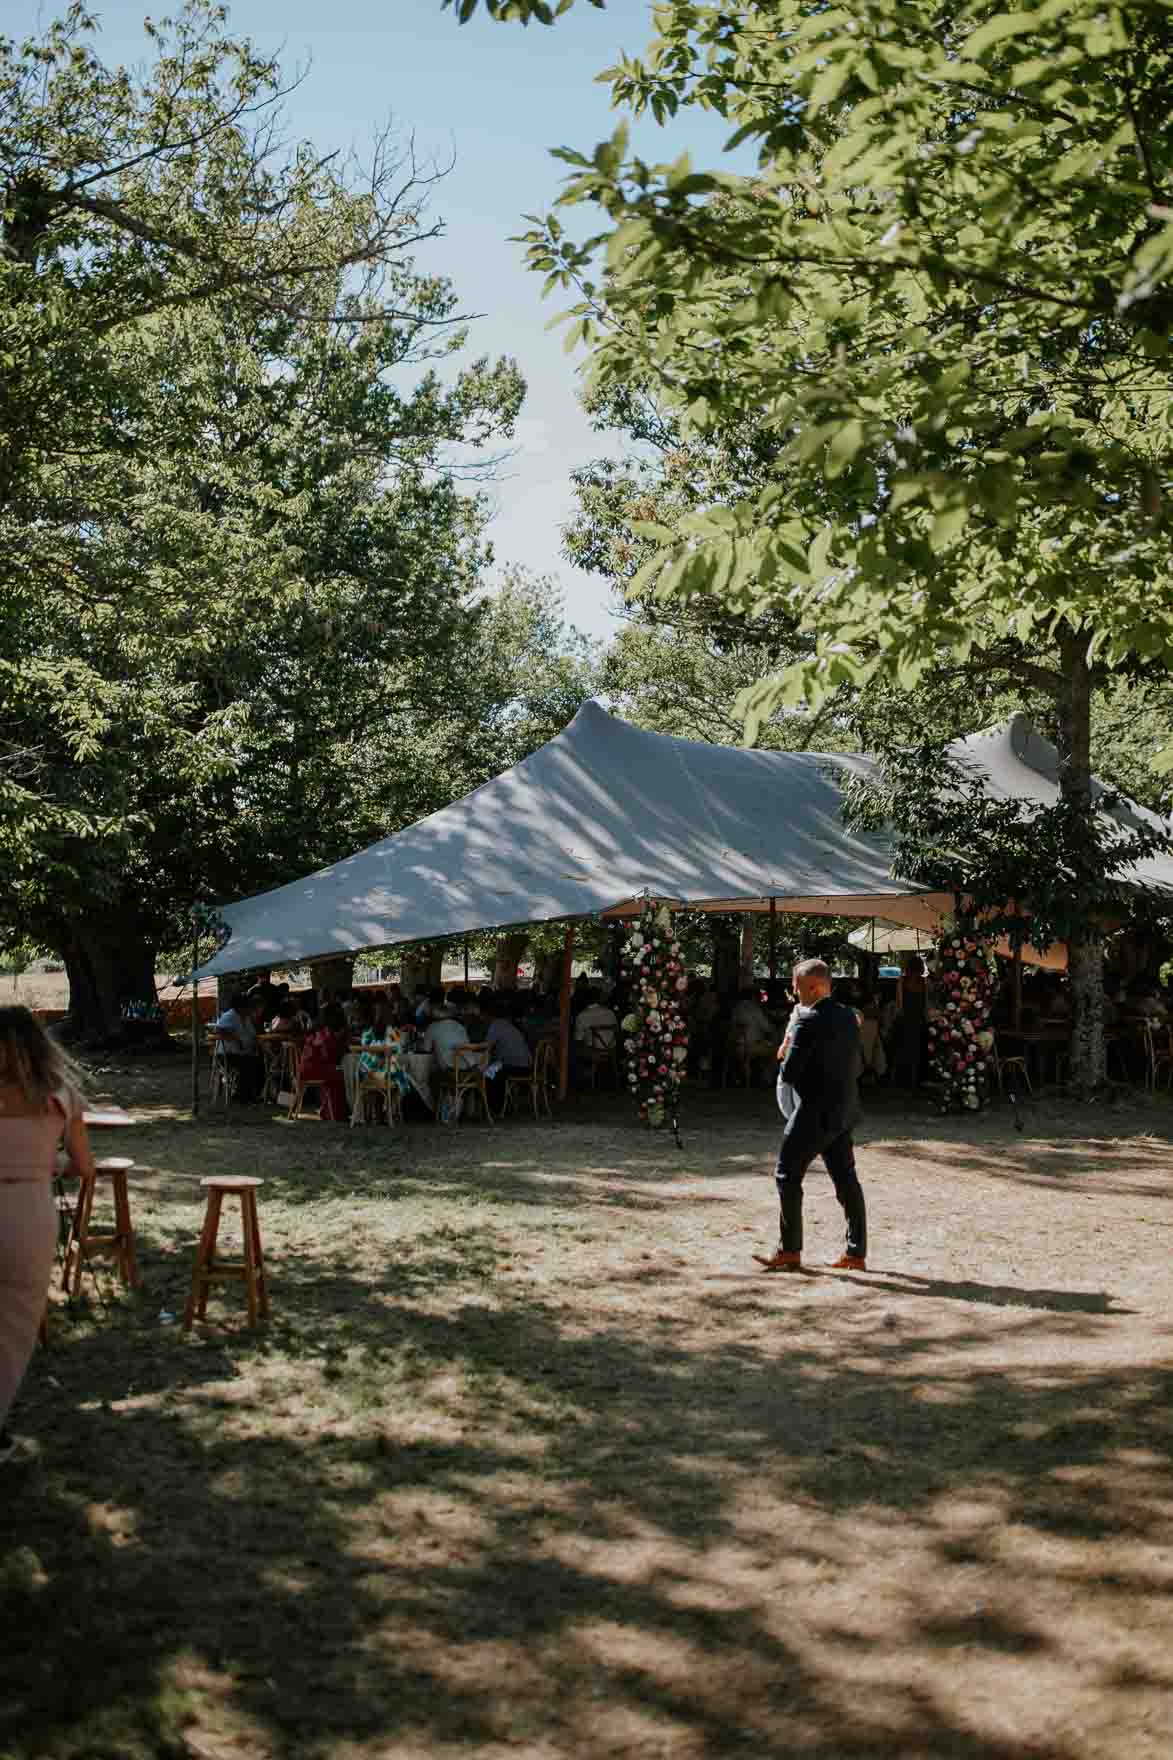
{"x": 419, "y": 1065}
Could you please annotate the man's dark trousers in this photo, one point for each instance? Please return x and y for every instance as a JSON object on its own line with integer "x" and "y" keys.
{"x": 798, "y": 1150}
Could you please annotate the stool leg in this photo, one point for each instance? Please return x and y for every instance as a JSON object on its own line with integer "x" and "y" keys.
{"x": 250, "y": 1257}
{"x": 197, "y": 1301}
{"x": 215, "y": 1205}
{"x": 258, "y": 1255}
{"x": 78, "y": 1235}
{"x": 127, "y": 1263}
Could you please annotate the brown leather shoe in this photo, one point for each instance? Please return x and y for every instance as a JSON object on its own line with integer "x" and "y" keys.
{"x": 850, "y": 1262}
{"x": 781, "y": 1261}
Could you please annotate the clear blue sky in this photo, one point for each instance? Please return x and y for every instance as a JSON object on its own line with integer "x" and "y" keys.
{"x": 495, "y": 97}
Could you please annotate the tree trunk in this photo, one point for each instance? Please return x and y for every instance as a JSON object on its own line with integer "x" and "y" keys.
{"x": 1085, "y": 963}
{"x": 334, "y": 975}
{"x": 510, "y": 949}
{"x": 108, "y": 964}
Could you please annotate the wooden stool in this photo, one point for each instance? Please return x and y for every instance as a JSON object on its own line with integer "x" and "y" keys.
{"x": 84, "y": 1244}
{"x": 208, "y": 1269}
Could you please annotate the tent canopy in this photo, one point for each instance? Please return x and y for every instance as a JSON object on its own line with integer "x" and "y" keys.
{"x": 601, "y": 816}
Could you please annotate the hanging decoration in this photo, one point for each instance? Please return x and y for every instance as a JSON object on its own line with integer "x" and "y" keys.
{"x": 961, "y": 1045}
{"x": 655, "y": 1035}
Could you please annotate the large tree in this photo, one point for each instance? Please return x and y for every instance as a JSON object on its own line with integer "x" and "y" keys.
{"x": 944, "y": 287}
{"x": 274, "y": 602}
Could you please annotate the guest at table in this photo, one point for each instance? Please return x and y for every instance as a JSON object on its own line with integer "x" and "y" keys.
{"x": 236, "y": 1030}
{"x": 581, "y": 996}
{"x": 506, "y": 1041}
{"x": 287, "y": 1021}
{"x": 383, "y": 1053}
{"x": 444, "y": 1033}
{"x": 429, "y": 1006}
{"x": 40, "y": 1102}
{"x": 749, "y": 1017}
{"x": 539, "y": 1017}
{"x": 321, "y": 1060}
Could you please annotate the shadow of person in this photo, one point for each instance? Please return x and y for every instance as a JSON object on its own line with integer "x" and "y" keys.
{"x": 994, "y": 1295}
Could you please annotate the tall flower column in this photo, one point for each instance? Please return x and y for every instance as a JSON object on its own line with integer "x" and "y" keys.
{"x": 960, "y": 1043}
{"x": 655, "y": 1036}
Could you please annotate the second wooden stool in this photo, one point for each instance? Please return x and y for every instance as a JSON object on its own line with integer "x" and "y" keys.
{"x": 84, "y": 1244}
{"x": 208, "y": 1269}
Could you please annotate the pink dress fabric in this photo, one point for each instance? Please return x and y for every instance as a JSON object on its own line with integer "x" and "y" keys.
{"x": 28, "y": 1238}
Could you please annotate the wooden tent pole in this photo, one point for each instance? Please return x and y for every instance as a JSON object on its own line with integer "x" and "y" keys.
{"x": 773, "y": 938}
{"x": 564, "y": 1014}
{"x": 195, "y": 1019}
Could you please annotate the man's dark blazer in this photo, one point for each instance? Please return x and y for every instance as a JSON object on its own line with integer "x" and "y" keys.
{"x": 822, "y": 1066}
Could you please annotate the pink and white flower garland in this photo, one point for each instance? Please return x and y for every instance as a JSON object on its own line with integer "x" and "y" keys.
{"x": 961, "y": 1045}
{"x": 655, "y": 1036}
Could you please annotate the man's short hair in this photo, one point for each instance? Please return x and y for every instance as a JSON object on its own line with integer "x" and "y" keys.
{"x": 813, "y": 968}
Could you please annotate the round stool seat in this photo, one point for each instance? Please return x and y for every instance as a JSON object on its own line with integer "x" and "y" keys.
{"x": 112, "y": 1164}
{"x": 232, "y": 1182}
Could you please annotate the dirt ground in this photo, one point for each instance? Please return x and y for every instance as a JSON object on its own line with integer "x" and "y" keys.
{"x": 531, "y": 1460}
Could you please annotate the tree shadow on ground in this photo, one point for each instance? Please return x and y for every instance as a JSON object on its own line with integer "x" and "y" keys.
{"x": 509, "y": 1521}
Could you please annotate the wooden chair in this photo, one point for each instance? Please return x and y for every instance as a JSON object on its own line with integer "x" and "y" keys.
{"x": 1016, "y": 1061}
{"x": 1158, "y": 1045}
{"x": 376, "y": 1085}
{"x": 467, "y": 1076}
{"x": 219, "y": 1084}
{"x": 208, "y": 1269}
{"x": 604, "y": 1052}
{"x": 298, "y": 1087}
{"x": 84, "y": 1244}
{"x": 536, "y": 1081}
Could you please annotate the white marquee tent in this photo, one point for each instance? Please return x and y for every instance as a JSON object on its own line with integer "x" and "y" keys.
{"x": 605, "y": 813}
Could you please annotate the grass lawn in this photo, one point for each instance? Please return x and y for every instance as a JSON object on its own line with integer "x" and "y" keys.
{"x": 531, "y": 1460}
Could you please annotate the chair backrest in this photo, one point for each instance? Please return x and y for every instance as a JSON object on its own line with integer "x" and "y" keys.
{"x": 602, "y": 1041}
{"x": 467, "y": 1058}
{"x": 543, "y": 1058}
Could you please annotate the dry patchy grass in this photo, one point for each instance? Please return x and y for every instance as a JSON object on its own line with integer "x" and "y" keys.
{"x": 531, "y": 1461}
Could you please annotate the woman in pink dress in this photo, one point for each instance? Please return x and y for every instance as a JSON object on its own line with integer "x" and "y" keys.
{"x": 40, "y": 1103}
{"x": 324, "y": 1049}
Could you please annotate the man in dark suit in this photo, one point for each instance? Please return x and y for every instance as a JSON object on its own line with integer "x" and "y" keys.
{"x": 820, "y": 1062}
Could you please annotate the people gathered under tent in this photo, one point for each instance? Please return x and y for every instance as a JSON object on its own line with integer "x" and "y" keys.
{"x": 236, "y": 1033}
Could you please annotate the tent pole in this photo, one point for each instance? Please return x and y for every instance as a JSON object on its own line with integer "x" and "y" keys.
{"x": 195, "y": 1018}
{"x": 466, "y": 965}
{"x": 773, "y": 939}
{"x": 564, "y": 1014}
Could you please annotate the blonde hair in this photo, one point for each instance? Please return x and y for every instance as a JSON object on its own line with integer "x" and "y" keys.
{"x": 33, "y": 1062}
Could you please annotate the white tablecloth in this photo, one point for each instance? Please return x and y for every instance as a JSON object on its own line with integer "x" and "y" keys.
{"x": 419, "y": 1067}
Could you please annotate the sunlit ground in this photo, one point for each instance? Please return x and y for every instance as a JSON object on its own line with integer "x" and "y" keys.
{"x": 531, "y": 1460}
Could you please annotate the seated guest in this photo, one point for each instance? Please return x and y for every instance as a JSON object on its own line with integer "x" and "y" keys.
{"x": 384, "y": 1050}
{"x": 507, "y": 1045}
{"x": 751, "y": 1018}
{"x": 592, "y": 1014}
{"x": 507, "y": 1048}
{"x": 321, "y": 1055}
{"x": 444, "y": 1034}
{"x": 539, "y": 1015}
{"x": 581, "y": 995}
{"x": 429, "y": 1004}
{"x": 236, "y": 1030}
{"x": 286, "y": 1021}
